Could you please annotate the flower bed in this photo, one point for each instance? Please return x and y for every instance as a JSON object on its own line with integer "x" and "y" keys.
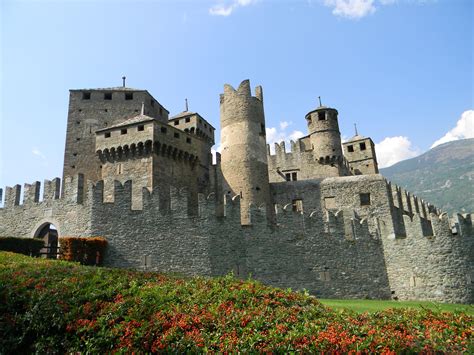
{"x": 58, "y": 306}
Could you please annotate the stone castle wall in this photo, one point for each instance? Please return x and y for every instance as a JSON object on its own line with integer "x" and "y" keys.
{"x": 335, "y": 247}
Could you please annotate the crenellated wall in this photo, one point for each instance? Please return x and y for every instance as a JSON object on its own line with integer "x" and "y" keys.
{"x": 302, "y": 161}
{"x": 327, "y": 237}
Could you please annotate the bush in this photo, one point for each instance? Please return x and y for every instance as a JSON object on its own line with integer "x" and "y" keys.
{"x": 26, "y": 246}
{"x": 52, "y": 306}
{"x": 87, "y": 251}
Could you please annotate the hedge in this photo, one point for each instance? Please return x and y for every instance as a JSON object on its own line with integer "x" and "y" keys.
{"x": 27, "y": 246}
{"x": 87, "y": 251}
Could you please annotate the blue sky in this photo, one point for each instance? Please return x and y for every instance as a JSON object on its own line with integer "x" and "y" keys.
{"x": 401, "y": 69}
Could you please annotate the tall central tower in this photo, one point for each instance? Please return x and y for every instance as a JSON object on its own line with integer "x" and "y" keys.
{"x": 243, "y": 147}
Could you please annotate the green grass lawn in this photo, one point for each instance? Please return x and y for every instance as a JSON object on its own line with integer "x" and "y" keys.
{"x": 371, "y": 306}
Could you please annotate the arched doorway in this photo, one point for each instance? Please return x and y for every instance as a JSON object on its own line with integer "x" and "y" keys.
{"x": 49, "y": 233}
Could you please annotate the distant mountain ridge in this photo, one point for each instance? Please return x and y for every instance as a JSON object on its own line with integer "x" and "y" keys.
{"x": 443, "y": 176}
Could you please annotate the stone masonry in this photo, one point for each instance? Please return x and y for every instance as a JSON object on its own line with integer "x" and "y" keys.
{"x": 318, "y": 217}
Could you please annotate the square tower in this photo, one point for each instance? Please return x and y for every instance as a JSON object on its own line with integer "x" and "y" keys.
{"x": 94, "y": 109}
{"x": 359, "y": 152}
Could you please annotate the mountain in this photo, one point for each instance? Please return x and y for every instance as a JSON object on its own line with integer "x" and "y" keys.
{"x": 443, "y": 176}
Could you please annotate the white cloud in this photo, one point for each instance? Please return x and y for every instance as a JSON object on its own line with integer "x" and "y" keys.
{"x": 226, "y": 8}
{"x": 464, "y": 129}
{"x": 352, "y": 9}
{"x": 356, "y": 9}
{"x": 38, "y": 153}
{"x": 277, "y": 135}
{"x": 394, "y": 149}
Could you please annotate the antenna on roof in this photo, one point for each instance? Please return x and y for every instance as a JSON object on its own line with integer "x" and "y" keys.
{"x": 143, "y": 108}
{"x": 355, "y": 127}
{"x": 123, "y": 80}
{"x": 186, "y": 101}
{"x": 320, "y": 104}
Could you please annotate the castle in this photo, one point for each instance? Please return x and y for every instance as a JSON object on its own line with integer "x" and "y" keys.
{"x": 318, "y": 216}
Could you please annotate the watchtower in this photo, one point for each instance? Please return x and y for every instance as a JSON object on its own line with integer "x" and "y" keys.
{"x": 243, "y": 142}
{"x": 94, "y": 109}
{"x": 360, "y": 154}
{"x": 324, "y": 134}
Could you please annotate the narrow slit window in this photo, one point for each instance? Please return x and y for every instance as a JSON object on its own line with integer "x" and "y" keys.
{"x": 294, "y": 176}
{"x": 108, "y": 96}
{"x": 129, "y": 96}
{"x": 288, "y": 177}
{"x": 188, "y": 140}
{"x": 163, "y": 130}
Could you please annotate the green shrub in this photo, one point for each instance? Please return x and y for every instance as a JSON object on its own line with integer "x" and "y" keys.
{"x": 51, "y": 306}
{"x": 26, "y": 246}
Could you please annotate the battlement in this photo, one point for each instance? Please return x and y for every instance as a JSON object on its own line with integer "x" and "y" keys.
{"x": 243, "y": 90}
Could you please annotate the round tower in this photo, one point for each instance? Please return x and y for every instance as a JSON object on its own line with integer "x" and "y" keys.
{"x": 324, "y": 134}
{"x": 243, "y": 146}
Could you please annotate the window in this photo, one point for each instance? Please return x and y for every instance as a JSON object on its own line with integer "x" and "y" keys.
{"x": 152, "y": 103}
{"x": 288, "y": 176}
{"x": 80, "y": 110}
{"x": 107, "y": 96}
{"x": 321, "y": 116}
{"x": 365, "y": 199}
{"x": 74, "y": 154}
{"x": 141, "y": 128}
{"x": 129, "y": 96}
{"x": 294, "y": 176}
{"x": 262, "y": 129}
{"x": 73, "y": 166}
{"x": 78, "y": 139}
{"x": 107, "y": 135}
{"x": 176, "y": 134}
{"x": 188, "y": 140}
{"x": 297, "y": 205}
{"x": 163, "y": 130}
{"x": 123, "y": 131}
{"x": 86, "y": 95}
{"x": 78, "y": 122}
{"x": 187, "y": 120}
{"x": 161, "y": 111}
{"x": 105, "y": 110}
{"x": 176, "y": 122}
{"x": 362, "y": 146}
{"x": 350, "y": 148}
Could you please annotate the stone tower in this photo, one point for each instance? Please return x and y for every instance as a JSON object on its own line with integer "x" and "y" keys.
{"x": 94, "y": 109}
{"x": 324, "y": 134}
{"x": 243, "y": 143}
{"x": 360, "y": 154}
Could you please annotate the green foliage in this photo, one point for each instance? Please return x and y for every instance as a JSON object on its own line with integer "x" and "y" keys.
{"x": 51, "y": 306}
{"x": 26, "y": 246}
